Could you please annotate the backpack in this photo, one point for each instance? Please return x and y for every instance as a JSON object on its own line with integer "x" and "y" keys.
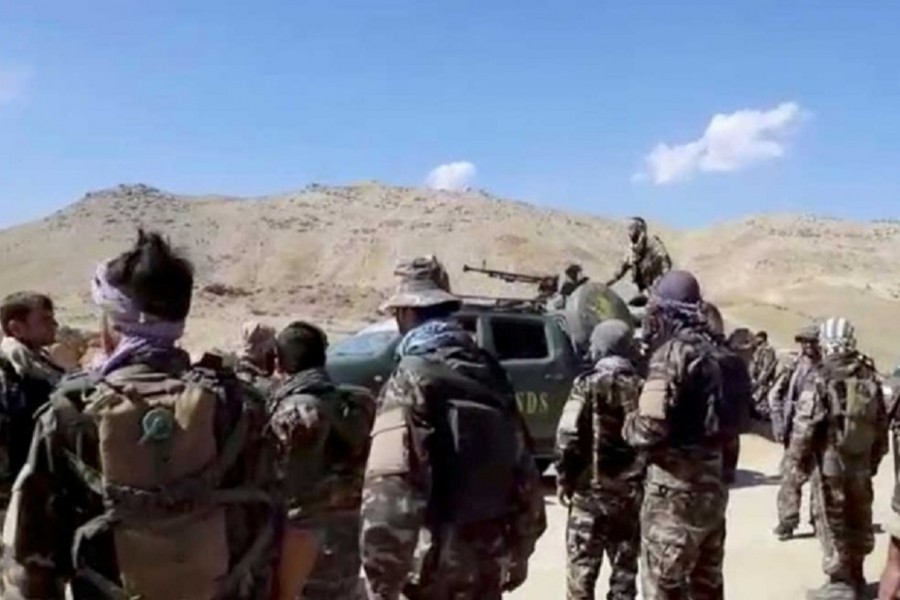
{"x": 475, "y": 448}
{"x": 161, "y": 469}
{"x": 611, "y": 455}
{"x": 11, "y": 403}
{"x": 733, "y": 404}
{"x": 701, "y": 407}
{"x": 855, "y": 403}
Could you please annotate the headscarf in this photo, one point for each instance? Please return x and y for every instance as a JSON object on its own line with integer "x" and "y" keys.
{"x": 676, "y": 303}
{"x": 140, "y": 331}
{"x": 433, "y": 335}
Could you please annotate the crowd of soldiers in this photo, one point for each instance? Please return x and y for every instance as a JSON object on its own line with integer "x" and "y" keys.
{"x": 149, "y": 475}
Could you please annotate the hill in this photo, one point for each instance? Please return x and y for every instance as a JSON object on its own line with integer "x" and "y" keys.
{"x": 326, "y": 253}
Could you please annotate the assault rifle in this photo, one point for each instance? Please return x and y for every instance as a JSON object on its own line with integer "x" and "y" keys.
{"x": 546, "y": 284}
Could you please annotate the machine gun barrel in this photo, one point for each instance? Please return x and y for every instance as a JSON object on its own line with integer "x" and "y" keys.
{"x": 508, "y": 276}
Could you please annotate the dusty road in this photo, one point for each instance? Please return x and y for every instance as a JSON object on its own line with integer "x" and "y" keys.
{"x": 757, "y": 566}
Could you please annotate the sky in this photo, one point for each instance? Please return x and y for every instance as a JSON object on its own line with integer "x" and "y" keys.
{"x": 689, "y": 112}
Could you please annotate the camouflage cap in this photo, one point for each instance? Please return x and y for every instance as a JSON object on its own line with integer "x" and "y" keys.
{"x": 423, "y": 282}
{"x": 257, "y": 340}
{"x": 810, "y": 333}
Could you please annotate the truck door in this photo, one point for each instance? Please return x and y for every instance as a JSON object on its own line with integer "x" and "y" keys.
{"x": 535, "y": 358}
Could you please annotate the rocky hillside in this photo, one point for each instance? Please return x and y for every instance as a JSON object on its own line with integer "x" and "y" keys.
{"x": 327, "y": 253}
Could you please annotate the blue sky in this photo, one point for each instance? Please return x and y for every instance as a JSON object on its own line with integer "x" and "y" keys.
{"x": 558, "y": 103}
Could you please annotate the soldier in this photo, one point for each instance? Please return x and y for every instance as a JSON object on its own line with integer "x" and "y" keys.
{"x": 782, "y": 401}
{"x": 647, "y": 259}
{"x": 256, "y": 360}
{"x": 890, "y": 578}
{"x": 323, "y": 439}
{"x": 599, "y": 476}
{"x": 452, "y": 504}
{"x": 738, "y": 391}
{"x": 762, "y": 370}
{"x": 144, "y": 476}
{"x": 840, "y": 425}
{"x": 27, "y": 376}
{"x": 676, "y": 425}
{"x": 573, "y": 279}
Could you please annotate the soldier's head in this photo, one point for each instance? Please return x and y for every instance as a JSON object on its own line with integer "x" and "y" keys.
{"x": 837, "y": 336}
{"x": 761, "y": 337}
{"x": 573, "y": 272}
{"x": 675, "y": 303}
{"x": 637, "y": 227}
{"x": 258, "y": 346}
{"x": 612, "y": 338}
{"x": 808, "y": 338}
{"x": 422, "y": 294}
{"x": 144, "y": 293}
{"x": 299, "y": 347}
{"x": 714, "y": 319}
{"x": 29, "y": 317}
{"x": 741, "y": 342}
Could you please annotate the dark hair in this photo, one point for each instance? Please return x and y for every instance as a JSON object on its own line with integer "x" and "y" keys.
{"x": 301, "y": 346}
{"x": 155, "y": 277}
{"x": 17, "y": 307}
{"x": 762, "y": 335}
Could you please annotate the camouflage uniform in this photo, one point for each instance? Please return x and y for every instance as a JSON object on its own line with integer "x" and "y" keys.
{"x": 782, "y": 402}
{"x": 257, "y": 348}
{"x": 647, "y": 258}
{"x": 322, "y": 435}
{"x": 842, "y": 471}
{"x": 762, "y": 371}
{"x": 676, "y": 425}
{"x": 418, "y": 536}
{"x": 600, "y": 475}
{"x": 55, "y": 506}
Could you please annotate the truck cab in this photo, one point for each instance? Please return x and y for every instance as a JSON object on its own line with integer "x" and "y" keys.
{"x": 534, "y": 349}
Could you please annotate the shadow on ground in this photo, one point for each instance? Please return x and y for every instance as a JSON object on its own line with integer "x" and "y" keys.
{"x": 745, "y": 478}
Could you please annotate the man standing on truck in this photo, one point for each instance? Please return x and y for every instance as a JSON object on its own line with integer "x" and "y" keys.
{"x": 452, "y": 505}
{"x": 647, "y": 258}
{"x": 599, "y": 476}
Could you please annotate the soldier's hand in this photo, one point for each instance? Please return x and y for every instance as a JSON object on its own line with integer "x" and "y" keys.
{"x": 564, "y": 495}
{"x": 516, "y": 575}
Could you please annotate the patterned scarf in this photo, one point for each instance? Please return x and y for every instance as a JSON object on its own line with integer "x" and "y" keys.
{"x": 433, "y": 335}
{"x": 141, "y": 332}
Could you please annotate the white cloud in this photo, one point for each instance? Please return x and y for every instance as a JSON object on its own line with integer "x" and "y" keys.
{"x": 731, "y": 142}
{"x": 451, "y": 176}
{"x": 13, "y": 83}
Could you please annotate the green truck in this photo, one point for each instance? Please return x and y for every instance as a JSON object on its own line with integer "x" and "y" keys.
{"x": 541, "y": 348}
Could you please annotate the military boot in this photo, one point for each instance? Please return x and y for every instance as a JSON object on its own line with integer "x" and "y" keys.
{"x": 783, "y": 532}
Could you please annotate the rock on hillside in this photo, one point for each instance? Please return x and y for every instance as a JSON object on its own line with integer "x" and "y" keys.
{"x": 327, "y": 253}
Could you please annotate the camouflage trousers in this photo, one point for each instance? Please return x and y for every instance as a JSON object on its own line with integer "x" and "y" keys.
{"x": 604, "y": 523}
{"x": 843, "y": 523}
{"x": 793, "y": 477}
{"x": 463, "y": 562}
{"x": 335, "y": 575}
{"x": 682, "y": 543}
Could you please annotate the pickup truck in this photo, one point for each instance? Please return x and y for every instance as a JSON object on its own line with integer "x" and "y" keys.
{"x": 534, "y": 348}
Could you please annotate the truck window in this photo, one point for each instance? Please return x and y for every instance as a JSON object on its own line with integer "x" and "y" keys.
{"x": 519, "y": 340}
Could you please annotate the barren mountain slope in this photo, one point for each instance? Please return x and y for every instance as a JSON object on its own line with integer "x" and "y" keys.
{"x": 327, "y": 253}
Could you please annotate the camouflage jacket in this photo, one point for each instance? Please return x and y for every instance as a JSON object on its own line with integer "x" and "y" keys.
{"x": 676, "y": 423}
{"x": 763, "y": 367}
{"x": 259, "y": 379}
{"x": 815, "y": 429}
{"x": 399, "y": 483}
{"x": 789, "y": 380}
{"x": 322, "y": 436}
{"x": 56, "y": 505}
{"x": 591, "y": 453}
{"x": 647, "y": 259}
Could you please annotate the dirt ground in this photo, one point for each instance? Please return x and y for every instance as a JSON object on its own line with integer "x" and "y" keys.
{"x": 757, "y": 565}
